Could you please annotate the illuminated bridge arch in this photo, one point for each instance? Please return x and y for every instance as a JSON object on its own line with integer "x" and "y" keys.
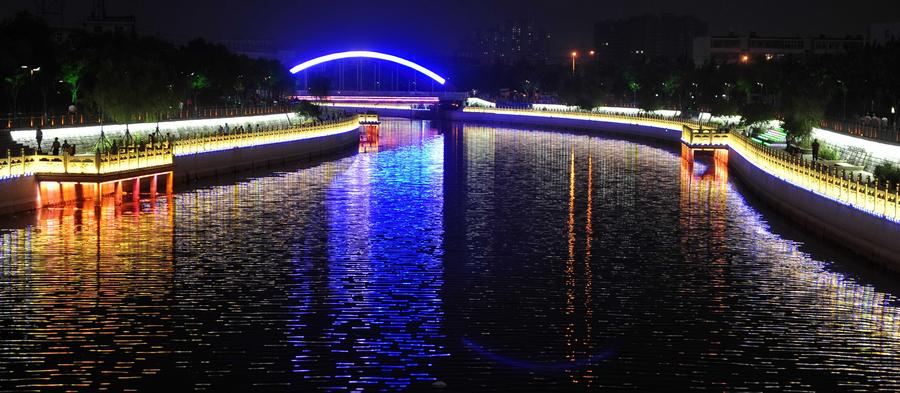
{"x": 371, "y": 55}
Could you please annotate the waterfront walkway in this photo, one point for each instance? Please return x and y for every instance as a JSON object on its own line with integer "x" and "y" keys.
{"x": 158, "y": 157}
{"x": 871, "y": 196}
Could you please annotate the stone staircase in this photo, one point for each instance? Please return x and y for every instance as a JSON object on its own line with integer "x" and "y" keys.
{"x": 7, "y": 144}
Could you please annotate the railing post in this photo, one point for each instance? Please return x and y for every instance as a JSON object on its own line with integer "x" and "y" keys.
{"x": 866, "y": 193}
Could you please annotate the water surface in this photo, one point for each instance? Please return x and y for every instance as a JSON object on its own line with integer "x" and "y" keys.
{"x": 486, "y": 258}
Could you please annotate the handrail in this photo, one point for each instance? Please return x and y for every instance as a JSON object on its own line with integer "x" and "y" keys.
{"x": 672, "y": 123}
{"x": 885, "y": 133}
{"x": 129, "y": 158}
{"x": 247, "y": 139}
{"x": 70, "y": 119}
{"x": 838, "y": 185}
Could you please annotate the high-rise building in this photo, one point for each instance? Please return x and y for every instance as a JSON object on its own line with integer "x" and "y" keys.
{"x": 736, "y": 49}
{"x": 100, "y": 22}
{"x": 665, "y": 36}
{"x": 513, "y": 41}
{"x": 884, "y": 33}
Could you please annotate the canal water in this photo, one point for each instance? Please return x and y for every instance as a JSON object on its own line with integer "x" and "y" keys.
{"x": 444, "y": 257}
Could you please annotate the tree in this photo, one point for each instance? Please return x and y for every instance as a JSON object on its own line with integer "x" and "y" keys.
{"x": 307, "y": 110}
{"x": 320, "y": 87}
{"x": 634, "y": 87}
{"x": 672, "y": 86}
{"x": 72, "y": 74}
{"x": 15, "y": 82}
{"x": 755, "y": 112}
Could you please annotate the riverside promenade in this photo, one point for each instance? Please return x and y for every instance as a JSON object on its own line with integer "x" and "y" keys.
{"x": 862, "y": 215}
{"x": 32, "y": 181}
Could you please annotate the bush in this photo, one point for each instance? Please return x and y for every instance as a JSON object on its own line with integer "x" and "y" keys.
{"x": 307, "y": 110}
{"x": 827, "y": 153}
{"x": 888, "y": 172}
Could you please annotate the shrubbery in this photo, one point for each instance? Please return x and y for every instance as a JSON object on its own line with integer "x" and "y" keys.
{"x": 827, "y": 153}
{"x": 888, "y": 172}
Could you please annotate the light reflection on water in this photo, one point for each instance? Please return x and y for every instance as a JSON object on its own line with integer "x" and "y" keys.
{"x": 486, "y": 257}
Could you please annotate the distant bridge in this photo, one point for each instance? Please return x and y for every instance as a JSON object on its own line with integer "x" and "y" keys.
{"x": 359, "y": 82}
{"x": 381, "y": 96}
{"x": 370, "y": 55}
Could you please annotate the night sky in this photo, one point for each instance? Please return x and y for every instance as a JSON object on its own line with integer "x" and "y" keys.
{"x": 430, "y": 28}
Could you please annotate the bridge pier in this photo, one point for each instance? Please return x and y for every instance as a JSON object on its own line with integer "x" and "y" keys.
{"x": 136, "y": 190}
{"x": 153, "y": 186}
{"x": 170, "y": 183}
{"x": 59, "y": 192}
{"x": 118, "y": 193}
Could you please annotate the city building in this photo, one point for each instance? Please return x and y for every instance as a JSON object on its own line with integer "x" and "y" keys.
{"x": 884, "y": 33}
{"x": 100, "y": 22}
{"x": 514, "y": 41}
{"x": 259, "y": 49}
{"x": 54, "y": 12}
{"x": 735, "y": 49}
{"x": 664, "y": 36}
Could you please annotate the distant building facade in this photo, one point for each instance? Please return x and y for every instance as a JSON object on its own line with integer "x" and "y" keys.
{"x": 736, "y": 49}
{"x": 260, "y": 49}
{"x": 100, "y": 22}
{"x": 884, "y": 33}
{"x": 665, "y": 36}
{"x": 514, "y": 41}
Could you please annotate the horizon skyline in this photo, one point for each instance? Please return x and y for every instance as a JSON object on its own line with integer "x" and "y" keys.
{"x": 428, "y": 37}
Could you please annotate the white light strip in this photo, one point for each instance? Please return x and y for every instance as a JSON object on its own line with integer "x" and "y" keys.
{"x": 164, "y": 126}
{"x": 368, "y": 106}
{"x": 372, "y": 99}
{"x": 577, "y": 116}
{"x": 884, "y": 151}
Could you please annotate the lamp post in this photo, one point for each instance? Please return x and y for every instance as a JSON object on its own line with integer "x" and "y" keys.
{"x": 894, "y": 115}
{"x": 574, "y": 55}
{"x": 844, "y": 91}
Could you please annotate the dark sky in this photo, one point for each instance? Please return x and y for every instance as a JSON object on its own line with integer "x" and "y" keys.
{"x": 428, "y": 28}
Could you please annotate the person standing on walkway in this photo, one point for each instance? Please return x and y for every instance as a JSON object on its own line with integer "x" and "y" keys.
{"x": 65, "y": 146}
{"x": 39, "y": 136}
{"x": 54, "y": 148}
{"x": 815, "y": 149}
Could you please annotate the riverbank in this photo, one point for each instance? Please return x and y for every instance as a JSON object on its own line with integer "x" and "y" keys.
{"x": 35, "y": 181}
{"x": 862, "y": 219}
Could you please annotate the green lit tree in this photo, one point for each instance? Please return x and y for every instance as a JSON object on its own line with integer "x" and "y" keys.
{"x": 634, "y": 86}
{"x": 15, "y": 83}
{"x": 72, "y": 75}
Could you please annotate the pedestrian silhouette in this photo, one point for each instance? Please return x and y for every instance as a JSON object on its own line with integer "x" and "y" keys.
{"x": 39, "y": 136}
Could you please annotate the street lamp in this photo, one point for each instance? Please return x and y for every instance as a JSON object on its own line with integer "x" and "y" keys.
{"x": 844, "y": 90}
{"x": 574, "y": 55}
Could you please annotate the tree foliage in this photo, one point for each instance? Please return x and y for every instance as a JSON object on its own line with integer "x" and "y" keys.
{"x": 123, "y": 76}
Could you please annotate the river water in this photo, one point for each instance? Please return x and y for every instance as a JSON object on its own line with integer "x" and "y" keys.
{"x": 444, "y": 257}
